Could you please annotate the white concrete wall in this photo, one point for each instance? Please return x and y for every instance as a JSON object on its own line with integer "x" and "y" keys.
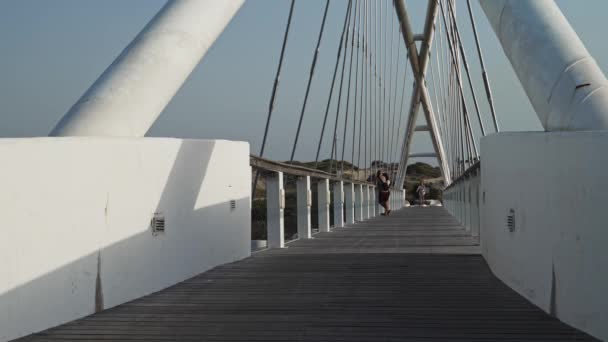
{"x": 75, "y": 221}
{"x": 463, "y": 200}
{"x": 557, "y": 256}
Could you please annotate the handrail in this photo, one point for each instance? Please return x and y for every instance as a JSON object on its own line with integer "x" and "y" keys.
{"x": 466, "y": 174}
{"x": 295, "y": 170}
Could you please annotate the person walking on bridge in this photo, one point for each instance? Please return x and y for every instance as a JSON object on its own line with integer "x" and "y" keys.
{"x": 421, "y": 190}
{"x": 383, "y": 184}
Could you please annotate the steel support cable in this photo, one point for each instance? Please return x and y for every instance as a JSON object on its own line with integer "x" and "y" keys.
{"x": 310, "y": 78}
{"x": 375, "y": 81}
{"x": 458, "y": 103}
{"x": 450, "y": 103}
{"x": 363, "y": 153}
{"x": 387, "y": 86}
{"x": 484, "y": 74}
{"x": 430, "y": 85}
{"x": 468, "y": 133}
{"x": 356, "y": 92}
{"x": 395, "y": 129}
{"x": 449, "y": 116}
{"x": 451, "y": 42}
{"x": 454, "y": 117}
{"x": 401, "y": 111}
{"x": 274, "y": 89}
{"x": 461, "y": 120}
{"x": 355, "y": 97}
{"x": 333, "y": 81}
{"x": 456, "y": 127}
{"x": 361, "y": 112}
{"x": 399, "y": 103}
{"x": 399, "y": 99}
{"x": 376, "y": 84}
{"x": 369, "y": 85}
{"x": 469, "y": 137}
{"x": 468, "y": 150}
{"x": 391, "y": 58}
{"x": 466, "y": 66}
{"x": 437, "y": 75}
{"x": 441, "y": 84}
{"x": 447, "y": 80}
{"x": 348, "y": 88}
{"x": 442, "y": 79}
{"x": 467, "y": 121}
{"x": 455, "y": 39}
{"x": 366, "y": 87}
{"x": 474, "y": 152}
{"x": 380, "y": 82}
{"x": 463, "y": 131}
{"x": 434, "y": 86}
{"x": 393, "y": 136}
{"x": 402, "y": 159}
{"x": 334, "y": 147}
{"x": 450, "y": 119}
{"x": 384, "y": 50}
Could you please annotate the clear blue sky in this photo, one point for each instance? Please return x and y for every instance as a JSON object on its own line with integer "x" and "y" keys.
{"x": 51, "y": 51}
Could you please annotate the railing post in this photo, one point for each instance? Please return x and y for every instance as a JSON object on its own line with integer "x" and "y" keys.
{"x": 275, "y": 207}
{"x": 338, "y": 189}
{"x": 396, "y": 197}
{"x": 304, "y": 202}
{"x": 398, "y": 200}
{"x": 358, "y": 202}
{"x": 373, "y": 202}
{"x": 323, "y": 205}
{"x": 349, "y": 203}
{"x": 467, "y": 204}
{"x": 368, "y": 202}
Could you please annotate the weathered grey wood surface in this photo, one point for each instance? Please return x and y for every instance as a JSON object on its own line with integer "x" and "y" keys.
{"x": 355, "y": 284}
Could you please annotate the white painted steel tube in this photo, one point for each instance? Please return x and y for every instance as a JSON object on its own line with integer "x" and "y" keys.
{"x": 349, "y": 203}
{"x": 303, "y": 212}
{"x": 564, "y": 83}
{"x": 130, "y": 95}
{"x": 275, "y": 210}
{"x": 323, "y": 203}
{"x": 338, "y": 205}
{"x": 358, "y": 203}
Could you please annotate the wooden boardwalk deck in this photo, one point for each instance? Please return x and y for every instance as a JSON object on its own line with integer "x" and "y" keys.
{"x": 375, "y": 281}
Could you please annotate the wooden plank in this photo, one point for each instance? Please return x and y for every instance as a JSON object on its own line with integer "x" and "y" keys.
{"x": 364, "y": 282}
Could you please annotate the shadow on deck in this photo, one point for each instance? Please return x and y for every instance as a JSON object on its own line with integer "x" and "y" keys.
{"x": 414, "y": 276}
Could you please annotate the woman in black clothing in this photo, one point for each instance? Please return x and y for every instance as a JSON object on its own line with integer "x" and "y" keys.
{"x": 383, "y": 184}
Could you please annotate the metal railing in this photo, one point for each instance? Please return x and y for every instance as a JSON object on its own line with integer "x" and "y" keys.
{"x": 349, "y": 200}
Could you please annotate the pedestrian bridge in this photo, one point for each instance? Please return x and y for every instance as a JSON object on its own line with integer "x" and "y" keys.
{"x": 415, "y": 276}
{"x": 111, "y": 235}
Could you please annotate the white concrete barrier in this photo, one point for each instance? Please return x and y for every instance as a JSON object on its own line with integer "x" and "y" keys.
{"x": 76, "y": 222}
{"x": 554, "y": 253}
